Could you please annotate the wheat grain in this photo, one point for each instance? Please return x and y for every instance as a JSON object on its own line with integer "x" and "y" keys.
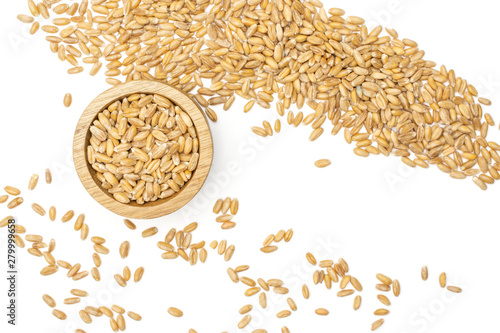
{"x": 384, "y": 300}
{"x": 150, "y": 232}
{"x": 72, "y": 300}
{"x": 384, "y": 279}
{"x": 396, "y": 288}
{"x": 175, "y": 312}
{"x": 305, "y": 291}
{"x": 67, "y": 100}
{"x": 15, "y": 203}
{"x": 68, "y": 216}
{"x": 79, "y": 292}
{"x": 454, "y": 289}
{"x": 322, "y": 312}
{"x": 59, "y": 314}
{"x": 442, "y": 280}
{"x": 38, "y": 209}
{"x": 322, "y": 163}
{"x": 52, "y": 213}
{"x": 48, "y": 176}
{"x": 377, "y": 324}
{"x": 4, "y": 198}
{"x": 124, "y": 249}
{"x": 357, "y": 302}
{"x": 129, "y": 224}
{"x": 381, "y": 312}
{"x": 49, "y": 301}
{"x": 425, "y": 273}
{"x": 12, "y": 190}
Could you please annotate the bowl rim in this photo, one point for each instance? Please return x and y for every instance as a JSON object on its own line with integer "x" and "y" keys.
{"x": 160, "y": 207}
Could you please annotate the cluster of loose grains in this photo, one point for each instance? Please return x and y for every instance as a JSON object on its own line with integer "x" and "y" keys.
{"x": 376, "y": 87}
{"x": 123, "y": 278}
{"x": 222, "y": 249}
{"x": 15, "y": 192}
{"x": 79, "y": 224}
{"x": 266, "y": 129}
{"x": 86, "y": 314}
{"x": 183, "y": 244}
{"x": 261, "y": 288}
{"x": 442, "y": 280}
{"x": 41, "y": 249}
{"x": 387, "y": 284}
{"x": 143, "y": 148}
{"x": 281, "y": 235}
{"x": 38, "y": 245}
{"x": 223, "y": 207}
{"x": 329, "y": 272}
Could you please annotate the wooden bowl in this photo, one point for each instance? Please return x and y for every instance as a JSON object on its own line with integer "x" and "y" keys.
{"x": 160, "y": 207}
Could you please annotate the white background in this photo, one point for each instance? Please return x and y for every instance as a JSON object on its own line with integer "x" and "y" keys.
{"x": 375, "y": 213}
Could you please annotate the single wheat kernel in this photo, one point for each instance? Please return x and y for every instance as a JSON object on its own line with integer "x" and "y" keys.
{"x": 134, "y": 316}
{"x": 12, "y": 190}
{"x": 175, "y": 312}
{"x": 15, "y": 202}
{"x": 95, "y": 274}
{"x": 311, "y": 259}
{"x": 235, "y": 204}
{"x": 84, "y": 232}
{"x": 72, "y": 300}
{"x": 33, "y": 182}
{"x": 120, "y": 280}
{"x": 79, "y": 292}
{"x": 138, "y": 274}
{"x": 454, "y": 289}
{"x": 245, "y": 309}
{"x": 217, "y": 206}
{"x": 396, "y": 288}
{"x": 244, "y": 322}
{"x": 263, "y": 300}
{"x": 322, "y": 312}
{"x": 377, "y": 324}
{"x": 67, "y": 100}
{"x": 149, "y": 232}
{"x": 38, "y": 209}
{"x": 126, "y": 273}
{"x": 124, "y": 249}
{"x": 129, "y": 224}
{"x": 59, "y": 314}
{"x": 68, "y": 216}
{"x": 4, "y": 198}
{"x": 384, "y": 279}
{"x": 283, "y": 314}
{"x": 357, "y": 302}
{"x": 49, "y": 300}
{"x": 305, "y": 291}
{"x": 85, "y": 316}
{"x": 48, "y": 176}
{"x": 384, "y": 300}
{"x": 442, "y": 280}
{"x": 424, "y": 273}
{"x": 322, "y": 163}
{"x": 381, "y": 312}
{"x": 226, "y": 204}
{"x": 52, "y": 213}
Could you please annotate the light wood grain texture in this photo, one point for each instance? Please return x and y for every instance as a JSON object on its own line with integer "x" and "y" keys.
{"x": 151, "y": 209}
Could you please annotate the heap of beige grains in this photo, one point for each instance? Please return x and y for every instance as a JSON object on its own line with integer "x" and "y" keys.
{"x": 379, "y": 89}
{"x": 143, "y": 148}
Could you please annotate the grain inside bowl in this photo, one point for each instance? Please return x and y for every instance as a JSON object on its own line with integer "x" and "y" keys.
{"x": 143, "y": 148}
